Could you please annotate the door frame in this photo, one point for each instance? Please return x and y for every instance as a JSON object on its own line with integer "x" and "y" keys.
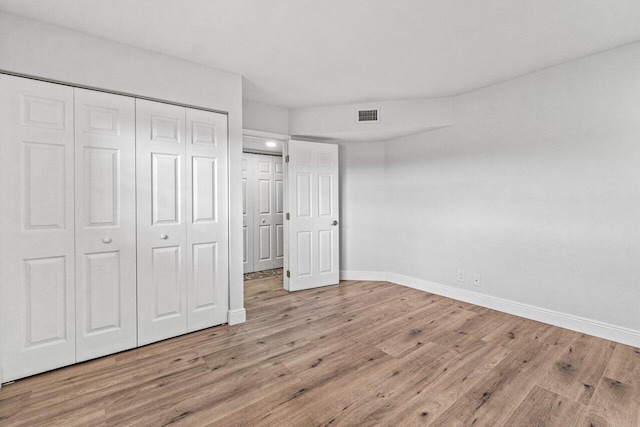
{"x": 285, "y": 141}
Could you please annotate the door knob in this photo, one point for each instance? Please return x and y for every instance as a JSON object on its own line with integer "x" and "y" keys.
{"x": 335, "y": 222}
{"x": 164, "y": 236}
{"x": 264, "y": 220}
{"x": 106, "y": 240}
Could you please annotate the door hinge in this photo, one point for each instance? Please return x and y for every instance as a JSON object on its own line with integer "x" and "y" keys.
{"x": 288, "y": 216}
{"x": 286, "y": 159}
{"x": 288, "y": 273}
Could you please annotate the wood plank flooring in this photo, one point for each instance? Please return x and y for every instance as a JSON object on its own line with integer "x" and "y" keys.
{"x": 355, "y": 354}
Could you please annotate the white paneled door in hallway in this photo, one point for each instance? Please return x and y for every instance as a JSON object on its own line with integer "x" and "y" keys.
{"x": 313, "y": 229}
{"x": 263, "y": 211}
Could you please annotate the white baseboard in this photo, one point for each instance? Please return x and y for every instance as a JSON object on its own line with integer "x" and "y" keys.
{"x": 575, "y": 323}
{"x": 363, "y": 275}
{"x": 237, "y": 316}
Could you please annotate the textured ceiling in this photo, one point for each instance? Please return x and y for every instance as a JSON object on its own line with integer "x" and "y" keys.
{"x": 295, "y": 53}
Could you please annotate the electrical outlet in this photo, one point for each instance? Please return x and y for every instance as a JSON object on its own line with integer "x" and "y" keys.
{"x": 477, "y": 280}
{"x": 460, "y": 275}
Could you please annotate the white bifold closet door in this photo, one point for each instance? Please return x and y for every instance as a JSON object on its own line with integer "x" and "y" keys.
{"x": 37, "y": 292}
{"x": 264, "y": 209}
{"x": 105, "y": 223}
{"x": 207, "y": 219}
{"x": 182, "y": 220}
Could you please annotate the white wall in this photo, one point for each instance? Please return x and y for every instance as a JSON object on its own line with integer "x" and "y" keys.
{"x": 51, "y": 52}
{"x": 264, "y": 117}
{"x": 536, "y": 187}
{"x": 362, "y": 183}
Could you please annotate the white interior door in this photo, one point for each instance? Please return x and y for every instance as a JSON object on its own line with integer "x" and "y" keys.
{"x": 247, "y": 213}
{"x": 105, "y": 223}
{"x": 207, "y": 219}
{"x": 37, "y": 292}
{"x": 263, "y": 213}
{"x": 161, "y": 213}
{"x": 278, "y": 215}
{"x": 312, "y": 233}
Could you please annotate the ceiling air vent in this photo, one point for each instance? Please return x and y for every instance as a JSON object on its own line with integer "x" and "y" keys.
{"x": 371, "y": 115}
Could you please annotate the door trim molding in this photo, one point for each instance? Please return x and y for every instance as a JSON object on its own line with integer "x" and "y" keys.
{"x": 114, "y": 92}
{"x": 237, "y": 316}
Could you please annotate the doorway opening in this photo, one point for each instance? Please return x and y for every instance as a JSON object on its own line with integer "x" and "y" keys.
{"x": 263, "y": 206}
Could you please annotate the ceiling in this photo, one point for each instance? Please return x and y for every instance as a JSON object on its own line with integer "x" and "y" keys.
{"x": 297, "y": 53}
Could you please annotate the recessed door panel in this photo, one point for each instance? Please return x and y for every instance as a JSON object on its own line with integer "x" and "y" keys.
{"x": 204, "y": 133}
{"x": 303, "y": 194}
{"x": 264, "y": 234}
{"x": 165, "y": 173}
{"x": 44, "y": 185}
{"x": 264, "y": 196}
{"x": 205, "y": 264}
{"x": 101, "y": 181}
{"x": 45, "y": 304}
{"x": 325, "y": 197}
{"x": 105, "y": 223}
{"x": 101, "y": 120}
{"x": 325, "y": 249}
{"x": 37, "y": 265}
{"x": 304, "y": 253}
{"x": 264, "y": 164}
{"x": 47, "y": 113}
{"x": 103, "y": 290}
{"x": 167, "y": 129}
{"x": 166, "y": 282}
{"x": 205, "y": 191}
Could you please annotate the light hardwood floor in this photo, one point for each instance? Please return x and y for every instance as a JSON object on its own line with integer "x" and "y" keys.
{"x": 356, "y": 354}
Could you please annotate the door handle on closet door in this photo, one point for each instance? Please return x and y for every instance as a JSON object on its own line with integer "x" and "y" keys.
{"x": 335, "y": 222}
{"x": 106, "y": 240}
{"x": 164, "y": 236}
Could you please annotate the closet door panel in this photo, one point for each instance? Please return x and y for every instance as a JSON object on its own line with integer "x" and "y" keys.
{"x": 263, "y": 217}
{"x": 161, "y": 214}
{"x": 37, "y": 294}
{"x": 105, "y": 223}
{"x": 207, "y": 219}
